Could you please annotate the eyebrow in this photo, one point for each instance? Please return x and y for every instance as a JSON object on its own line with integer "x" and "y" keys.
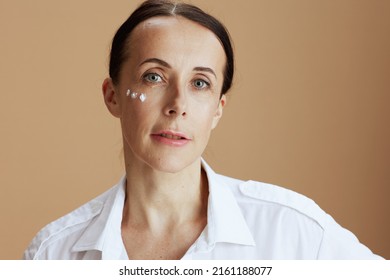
{"x": 206, "y": 69}
{"x": 156, "y": 60}
{"x": 167, "y": 65}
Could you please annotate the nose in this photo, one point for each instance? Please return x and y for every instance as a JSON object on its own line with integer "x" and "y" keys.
{"x": 176, "y": 104}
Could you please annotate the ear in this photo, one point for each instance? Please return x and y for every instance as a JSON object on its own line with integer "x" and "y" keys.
{"x": 111, "y": 98}
{"x": 218, "y": 113}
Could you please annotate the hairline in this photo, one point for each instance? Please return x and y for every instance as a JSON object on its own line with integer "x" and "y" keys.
{"x": 178, "y": 16}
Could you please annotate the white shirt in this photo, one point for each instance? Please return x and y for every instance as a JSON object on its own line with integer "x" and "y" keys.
{"x": 245, "y": 220}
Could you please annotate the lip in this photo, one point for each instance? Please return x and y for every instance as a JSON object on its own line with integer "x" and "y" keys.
{"x": 171, "y": 138}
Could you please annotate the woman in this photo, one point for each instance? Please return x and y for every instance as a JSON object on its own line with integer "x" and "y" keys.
{"x": 171, "y": 66}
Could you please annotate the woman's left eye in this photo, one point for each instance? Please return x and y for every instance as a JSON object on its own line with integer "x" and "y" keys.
{"x": 201, "y": 84}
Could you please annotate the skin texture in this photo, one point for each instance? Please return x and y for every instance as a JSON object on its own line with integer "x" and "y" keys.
{"x": 179, "y": 65}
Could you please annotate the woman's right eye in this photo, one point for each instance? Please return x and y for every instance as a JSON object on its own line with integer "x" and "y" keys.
{"x": 153, "y": 77}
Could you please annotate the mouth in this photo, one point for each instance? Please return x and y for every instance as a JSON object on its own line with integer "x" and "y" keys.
{"x": 172, "y": 136}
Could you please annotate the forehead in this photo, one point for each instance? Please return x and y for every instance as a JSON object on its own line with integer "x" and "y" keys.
{"x": 174, "y": 24}
{"x": 162, "y": 21}
{"x": 175, "y": 37}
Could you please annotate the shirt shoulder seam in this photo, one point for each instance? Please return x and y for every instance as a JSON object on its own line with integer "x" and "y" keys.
{"x": 49, "y": 234}
{"x": 285, "y": 198}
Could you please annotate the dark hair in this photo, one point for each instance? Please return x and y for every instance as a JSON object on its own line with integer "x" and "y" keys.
{"x": 153, "y": 8}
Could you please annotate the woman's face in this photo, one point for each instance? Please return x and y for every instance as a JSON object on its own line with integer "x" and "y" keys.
{"x": 178, "y": 65}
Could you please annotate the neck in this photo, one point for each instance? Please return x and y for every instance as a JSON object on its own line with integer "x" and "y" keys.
{"x": 159, "y": 201}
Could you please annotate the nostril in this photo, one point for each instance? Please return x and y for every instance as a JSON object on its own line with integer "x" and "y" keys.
{"x": 171, "y": 112}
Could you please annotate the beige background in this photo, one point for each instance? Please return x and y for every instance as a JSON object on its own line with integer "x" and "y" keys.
{"x": 309, "y": 109}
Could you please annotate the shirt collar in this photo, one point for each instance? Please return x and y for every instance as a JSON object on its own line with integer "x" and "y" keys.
{"x": 225, "y": 222}
{"x": 104, "y": 232}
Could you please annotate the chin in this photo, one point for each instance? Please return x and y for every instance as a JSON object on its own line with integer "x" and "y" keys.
{"x": 172, "y": 164}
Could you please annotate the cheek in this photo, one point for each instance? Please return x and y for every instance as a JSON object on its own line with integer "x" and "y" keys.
{"x": 204, "y": 116}
{"x": 136, "y": 115}
{"x": 135, "y": 103}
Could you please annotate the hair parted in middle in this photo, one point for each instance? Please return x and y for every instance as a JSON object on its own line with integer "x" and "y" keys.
{"x": 154, "y": 8}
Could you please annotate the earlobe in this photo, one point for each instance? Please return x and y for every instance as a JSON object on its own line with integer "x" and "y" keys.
{"x": 111, "y": 99}
{"x": 218, "y": 113}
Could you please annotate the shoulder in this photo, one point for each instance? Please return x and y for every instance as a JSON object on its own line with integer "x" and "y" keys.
{"x": 269, "y": 196}
{"x": 67, "y": 228}
{"x": 295, "y": 219}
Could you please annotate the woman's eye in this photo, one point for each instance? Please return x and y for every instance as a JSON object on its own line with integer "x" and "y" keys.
{"x": 201, "y": 84}
{"x": 153, "y": 77}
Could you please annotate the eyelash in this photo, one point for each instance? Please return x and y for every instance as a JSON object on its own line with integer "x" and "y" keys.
{"x": 148, "y": 75}
{"x": 204, "y": 87}
{"x": 206, "y": 84}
